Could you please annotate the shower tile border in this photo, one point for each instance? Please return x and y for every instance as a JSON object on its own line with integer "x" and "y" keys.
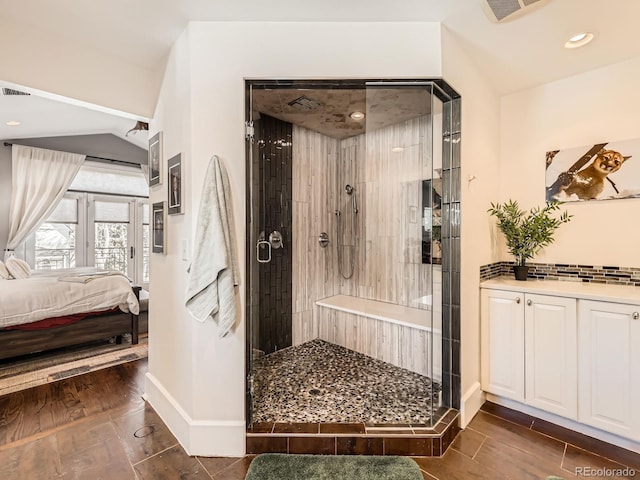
{"x": 607, "y": 274}
{"x": 336, "y": 439}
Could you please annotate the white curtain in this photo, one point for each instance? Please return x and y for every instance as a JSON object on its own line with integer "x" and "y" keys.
{"x": 145, "y": 171}
{"x": 40, "y": 178}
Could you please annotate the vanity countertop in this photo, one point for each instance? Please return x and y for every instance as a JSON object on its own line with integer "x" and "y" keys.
{"x": 560, "y": 288}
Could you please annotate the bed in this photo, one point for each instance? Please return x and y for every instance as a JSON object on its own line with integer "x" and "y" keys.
{"x": 65, "y": 307}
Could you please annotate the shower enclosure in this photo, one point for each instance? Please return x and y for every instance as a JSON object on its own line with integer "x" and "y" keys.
{"x": 353, "y": 248}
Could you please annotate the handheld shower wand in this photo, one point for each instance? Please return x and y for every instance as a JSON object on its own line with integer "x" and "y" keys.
{"x": 354, "y": 197}
{"x": 354, "y": 232}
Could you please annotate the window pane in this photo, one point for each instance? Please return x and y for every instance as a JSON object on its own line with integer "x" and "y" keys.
{"x": 97, "y": 178}
{"x": 55, "y": 246}
{"x": 65, "y": 212}
{"x": 111, "y": 211}
{"x": 111, "y": 246}
{"x": 145, "y": 213}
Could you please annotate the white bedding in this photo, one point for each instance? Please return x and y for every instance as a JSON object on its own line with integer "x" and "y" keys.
{"x": 44, "y": 296}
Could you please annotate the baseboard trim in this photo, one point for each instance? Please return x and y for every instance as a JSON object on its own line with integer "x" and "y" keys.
{"x": 470, "y": 403}
{"x": 567, "y": 423}
{"x": 198, "y": 437}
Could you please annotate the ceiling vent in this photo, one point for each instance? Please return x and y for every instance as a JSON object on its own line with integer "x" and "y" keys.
{"x": 11, "y": 91}
{"x": 505, "y": 10}
{"x": 304, "y": 104}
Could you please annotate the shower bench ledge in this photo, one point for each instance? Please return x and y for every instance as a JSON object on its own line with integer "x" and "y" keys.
{"x": 387, "y": 312}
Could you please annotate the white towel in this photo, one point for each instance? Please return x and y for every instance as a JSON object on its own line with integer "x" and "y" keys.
{"x": 213, "y": 272}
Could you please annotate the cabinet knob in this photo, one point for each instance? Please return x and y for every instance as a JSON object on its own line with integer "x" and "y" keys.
{"x": 517, "y": 299}
{"x": 529, "y": 302}
{"x": 635, "y": 315}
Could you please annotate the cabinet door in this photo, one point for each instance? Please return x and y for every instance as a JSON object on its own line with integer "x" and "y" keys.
{"x": 609, "y": 367}
{"x": 551, "y": 351}
{"x": 502, "y": 342}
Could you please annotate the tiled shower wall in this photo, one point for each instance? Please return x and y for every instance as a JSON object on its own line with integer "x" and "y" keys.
{"x": 274, "y": 164}
{"x": 388, "y": 184}
{"x": 388, "y": 187}
{"x": 315, "y": 273}
{"x": 451, "y": 229}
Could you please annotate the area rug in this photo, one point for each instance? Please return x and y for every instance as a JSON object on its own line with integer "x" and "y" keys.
{"x": 33, "y": 370}
{"x": 275, "y": 466}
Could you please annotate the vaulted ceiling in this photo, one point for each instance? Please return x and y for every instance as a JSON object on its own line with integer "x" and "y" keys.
{"x": 132, "y": 39}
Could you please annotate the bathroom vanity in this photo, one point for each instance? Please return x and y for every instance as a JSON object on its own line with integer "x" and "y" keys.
{"x": 567, "y": 348}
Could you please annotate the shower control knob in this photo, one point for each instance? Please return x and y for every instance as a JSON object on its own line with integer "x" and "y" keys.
{"x": 323, "y": 239}
{"x": 635, "y": 315}
{"x": 275, "y": 239}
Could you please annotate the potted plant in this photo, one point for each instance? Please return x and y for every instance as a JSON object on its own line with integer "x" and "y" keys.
{"x": 527, "y": 233}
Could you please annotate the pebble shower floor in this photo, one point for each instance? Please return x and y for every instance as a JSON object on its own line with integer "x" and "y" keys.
{"x": 319, "y": 381}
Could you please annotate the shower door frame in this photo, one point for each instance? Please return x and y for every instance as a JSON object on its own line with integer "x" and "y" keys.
{"x": 451, "y": 134}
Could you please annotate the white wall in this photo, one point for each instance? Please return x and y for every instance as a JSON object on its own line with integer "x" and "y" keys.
{"x": 599, "y": 106}
{"x": 480, "y": 159}
{"x": 5, "y": 196}
{"x": 208, "y": 417}
{"x": 170, "y": 332}
{"x": 47, "y": 62}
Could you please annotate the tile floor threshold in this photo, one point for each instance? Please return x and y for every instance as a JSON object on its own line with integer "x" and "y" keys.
{"x": 354, "y": 438}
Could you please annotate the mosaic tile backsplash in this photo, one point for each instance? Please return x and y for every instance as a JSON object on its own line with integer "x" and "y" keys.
{"x": 568, "y": 272}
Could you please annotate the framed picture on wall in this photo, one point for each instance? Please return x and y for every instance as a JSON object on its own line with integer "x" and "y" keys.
{"x": 602, "y": 171}
{"x": 159, "y": 230}
{"x": 155, "y": 159}
{"x": 175, "y": 185}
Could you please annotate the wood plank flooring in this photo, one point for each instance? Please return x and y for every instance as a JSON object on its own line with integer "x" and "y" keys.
{"x": 96, "y": 426}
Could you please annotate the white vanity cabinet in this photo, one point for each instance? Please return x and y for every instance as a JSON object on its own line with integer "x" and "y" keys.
{"x": 550, "y": 341}
{"x": 567, "y": 348}
{"x": 529, "y": 349}
{"x": 502, "y": 343}
{"x": 609, "y": 366}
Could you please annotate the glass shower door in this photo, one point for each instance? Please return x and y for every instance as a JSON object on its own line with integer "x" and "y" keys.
{"x": 269, "y": 250}
{"x": 402, "y": 222}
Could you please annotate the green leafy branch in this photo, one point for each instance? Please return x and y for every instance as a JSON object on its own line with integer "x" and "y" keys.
{"x": 527, "y": 233}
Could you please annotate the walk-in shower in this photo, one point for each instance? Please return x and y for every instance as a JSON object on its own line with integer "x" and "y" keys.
{"x": 355, "y": 316}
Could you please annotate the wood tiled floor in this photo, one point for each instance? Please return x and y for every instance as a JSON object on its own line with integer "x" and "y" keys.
{"x": 96, "y": 426}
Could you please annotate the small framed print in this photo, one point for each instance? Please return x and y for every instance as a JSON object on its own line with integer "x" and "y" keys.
{"x": 159, "y": 231}
{"x": 174, "y": 180}
{"x": 155, "y": 159}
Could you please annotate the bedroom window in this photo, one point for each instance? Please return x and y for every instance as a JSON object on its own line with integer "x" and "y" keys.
{"x": 112, "y": 234}
{"x": 102, "y": 221}
{"x": 116, "y": 235}
{"x": 56, "y": 239}
{"x": 55, "y": 244}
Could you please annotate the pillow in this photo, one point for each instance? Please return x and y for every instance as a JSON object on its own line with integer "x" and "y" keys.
{"x": 18, "y": 269}
{"x": 4, "y": 273}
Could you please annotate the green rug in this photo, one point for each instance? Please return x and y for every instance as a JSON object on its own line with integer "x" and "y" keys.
{"x": 276, "y": 466}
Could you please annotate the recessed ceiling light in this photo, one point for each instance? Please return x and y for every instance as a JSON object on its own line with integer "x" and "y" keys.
{"x": 357, "y": 115}
{"x": 397, "y": 149}
{"x": 13, "y": 123}
{"x": 579, "y": 40}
